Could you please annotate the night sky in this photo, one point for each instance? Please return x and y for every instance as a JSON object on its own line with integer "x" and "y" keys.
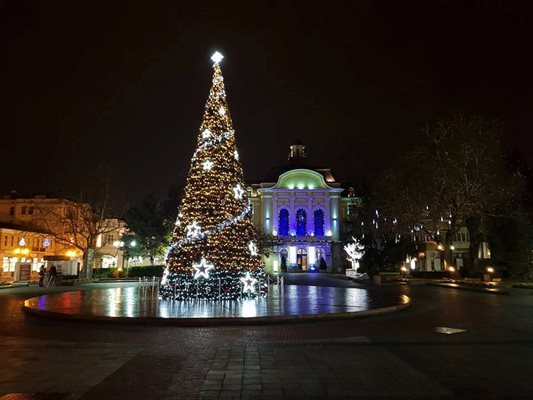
{"x": 121, "y": 86}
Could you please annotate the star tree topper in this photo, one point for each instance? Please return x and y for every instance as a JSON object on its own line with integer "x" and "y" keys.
{"x": 249, "y": 282}
{"x": 202, "y": 269}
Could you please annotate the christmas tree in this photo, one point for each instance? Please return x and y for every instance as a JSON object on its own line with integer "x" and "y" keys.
{"x": 214, "y": 252}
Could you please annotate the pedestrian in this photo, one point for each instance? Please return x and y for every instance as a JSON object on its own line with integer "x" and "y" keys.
{"x": 42, "y": 274}
{"x": 53, "y": 276}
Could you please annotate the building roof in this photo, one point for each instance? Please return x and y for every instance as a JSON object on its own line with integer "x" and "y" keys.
{"x": 18, "y": 227}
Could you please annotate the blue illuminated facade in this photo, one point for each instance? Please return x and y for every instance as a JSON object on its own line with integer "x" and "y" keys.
{"x": 304, "y": 211}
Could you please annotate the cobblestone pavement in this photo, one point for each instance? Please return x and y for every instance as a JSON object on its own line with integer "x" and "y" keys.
{"x": 396, "y": 356}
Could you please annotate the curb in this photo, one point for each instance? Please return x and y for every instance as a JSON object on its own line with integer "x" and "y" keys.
{"x": 222, "y": 321}
{"x": 471, "y": 289}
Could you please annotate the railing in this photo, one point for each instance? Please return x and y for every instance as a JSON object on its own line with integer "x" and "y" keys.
{"x": 145, "y": 284}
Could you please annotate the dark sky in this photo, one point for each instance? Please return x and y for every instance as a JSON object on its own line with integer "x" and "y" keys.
{"x": 88, "y": 86}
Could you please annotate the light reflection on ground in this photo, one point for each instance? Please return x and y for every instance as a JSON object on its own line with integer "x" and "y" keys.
{"x": 287, "y": 302}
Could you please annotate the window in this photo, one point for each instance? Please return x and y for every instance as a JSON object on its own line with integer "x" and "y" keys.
{"x": 12, "y": 211}
{"x": 283, "y": 223}
{"x": 30, "y": 210}
{"x": 318, "y": 220}
{"x": 5, "y": 240}
{"x": 301, "y": 222}
{"x": 23, "y": 212}
{"x": 109, "y": 239}
{"x": 350, "y": 209}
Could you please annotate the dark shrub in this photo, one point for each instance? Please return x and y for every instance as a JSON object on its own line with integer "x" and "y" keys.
{"x": 146, "y": 270}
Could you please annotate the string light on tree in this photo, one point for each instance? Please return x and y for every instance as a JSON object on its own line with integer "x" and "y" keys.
{"x": 213, "y": 240}
{"x": 202, "y": 269}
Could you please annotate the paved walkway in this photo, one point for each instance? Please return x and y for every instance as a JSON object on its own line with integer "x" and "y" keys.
{"x": 398, "y": 356}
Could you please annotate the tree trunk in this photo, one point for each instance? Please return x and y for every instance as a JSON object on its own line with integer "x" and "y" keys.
{"x": 88, "y": 261}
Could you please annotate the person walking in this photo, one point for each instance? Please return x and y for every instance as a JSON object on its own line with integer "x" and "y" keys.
{"x": 53, "y": 276}
{"x": 42, "y": 274}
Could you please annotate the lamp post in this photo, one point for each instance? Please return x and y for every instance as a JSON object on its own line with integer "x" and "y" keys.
{"x": 490, "y": 271}
{"x": 124, "y": 247}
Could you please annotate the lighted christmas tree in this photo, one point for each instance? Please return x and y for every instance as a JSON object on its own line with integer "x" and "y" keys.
{"x": 214, "y": 252}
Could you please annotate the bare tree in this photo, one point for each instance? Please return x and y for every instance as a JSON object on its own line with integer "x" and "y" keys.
{"x": 459, "y": 173}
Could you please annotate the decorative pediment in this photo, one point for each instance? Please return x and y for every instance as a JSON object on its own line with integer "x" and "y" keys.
{"x": 302, "y": 179}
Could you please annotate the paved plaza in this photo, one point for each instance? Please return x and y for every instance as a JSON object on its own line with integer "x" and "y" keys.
{"x": 487, "y": 353}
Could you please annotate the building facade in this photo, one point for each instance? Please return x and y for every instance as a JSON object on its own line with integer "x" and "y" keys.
{"x": 47, "y": 230}
{"x": 303, "y": 212}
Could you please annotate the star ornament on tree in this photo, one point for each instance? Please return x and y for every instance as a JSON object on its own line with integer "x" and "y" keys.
{"x": 238, "y": 191}
{"x": 253, "y": 249}
{"x": 207, "y": 165}
{"x": 201, "y": 269}
{"x": 248, "y": 282}
{"x": 193, "y": 229}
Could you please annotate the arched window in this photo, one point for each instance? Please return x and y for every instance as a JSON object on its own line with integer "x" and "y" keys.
{"x": 318, "y": 219}
{"x": 283, "y": 223}
{"x": 301, "y": 222}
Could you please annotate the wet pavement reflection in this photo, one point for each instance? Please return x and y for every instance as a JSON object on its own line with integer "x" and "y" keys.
{"x": 282, "y": 302}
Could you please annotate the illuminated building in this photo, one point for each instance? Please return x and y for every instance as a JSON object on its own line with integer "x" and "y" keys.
{"x": 304, "y": 209}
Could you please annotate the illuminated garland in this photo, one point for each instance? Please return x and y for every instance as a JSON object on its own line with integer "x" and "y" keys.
{"x": 217, "y": 229}
{"x": 218, "y": 139}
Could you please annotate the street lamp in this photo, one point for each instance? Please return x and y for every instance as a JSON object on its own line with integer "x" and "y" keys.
{"x": 490, "y": 271}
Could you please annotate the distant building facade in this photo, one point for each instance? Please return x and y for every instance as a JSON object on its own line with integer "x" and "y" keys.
{"x": 302, "y": 210}
{"x": 43, "y": 230}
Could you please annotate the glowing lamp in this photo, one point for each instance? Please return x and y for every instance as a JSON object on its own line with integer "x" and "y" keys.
{"x": 71, "y": 253}
{"x": 25, "y": 251}
{"x": 292, "y": 254}
{"x": 311, "y": 254}
{"x": 451, "y": 269}
{"x": 490, "y": 270}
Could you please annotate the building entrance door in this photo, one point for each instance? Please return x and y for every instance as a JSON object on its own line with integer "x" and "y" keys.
{"x": 301, "y": 259}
